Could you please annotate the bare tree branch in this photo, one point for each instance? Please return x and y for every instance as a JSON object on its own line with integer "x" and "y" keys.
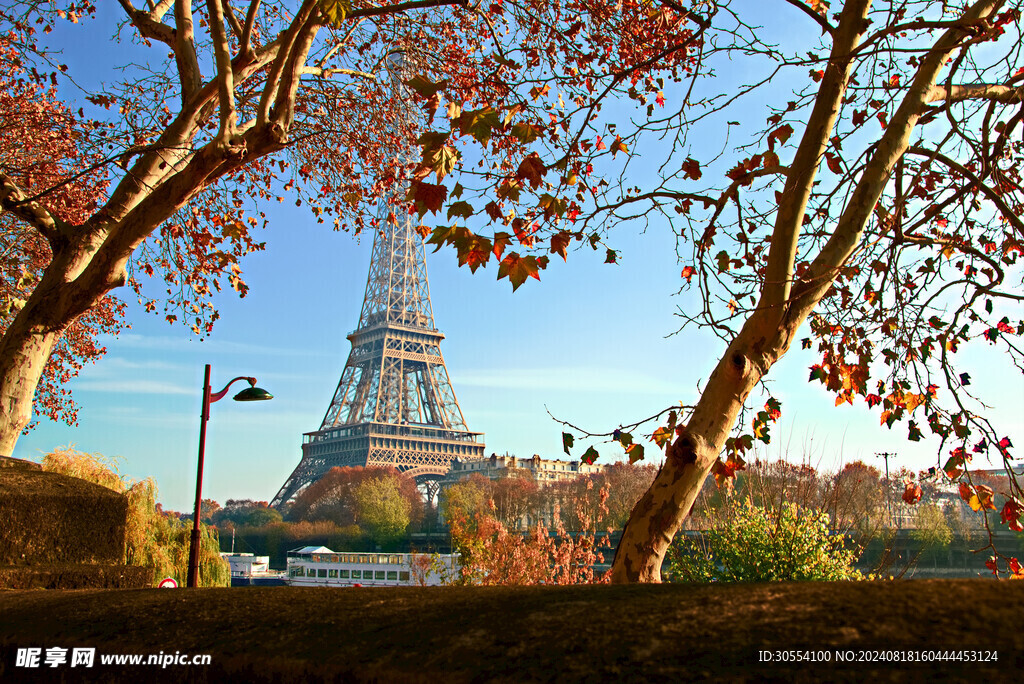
{"x": 977, "y": 91}
{"x": 819, "y": 19}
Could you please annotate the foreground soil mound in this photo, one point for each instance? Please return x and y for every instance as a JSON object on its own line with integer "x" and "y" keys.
{"x": 662, "y": 633}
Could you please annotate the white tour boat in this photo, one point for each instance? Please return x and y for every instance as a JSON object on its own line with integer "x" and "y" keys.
{"x": 318, "y": 566}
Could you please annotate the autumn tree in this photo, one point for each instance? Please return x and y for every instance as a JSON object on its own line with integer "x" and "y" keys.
{"x": 855, "y": 498}
{"x": 40, "y": 147}
{"x": 516, "y": 500}
{"x": 237, "y": 102}
{"x": 242, "y": 513}
{"x": 380, "y": 500}
{"x": 492, "y": 554}
{"x": 381, "y": 509}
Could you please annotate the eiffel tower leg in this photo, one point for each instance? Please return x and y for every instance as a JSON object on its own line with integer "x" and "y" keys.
{"x": 305, "y": 474}
{"x": 429, "y": 486}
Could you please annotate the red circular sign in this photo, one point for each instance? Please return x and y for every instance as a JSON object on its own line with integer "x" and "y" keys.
{"x": 169, "y": 583}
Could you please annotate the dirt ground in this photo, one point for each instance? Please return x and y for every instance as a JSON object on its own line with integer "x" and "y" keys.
{"x": 662, "y": 633}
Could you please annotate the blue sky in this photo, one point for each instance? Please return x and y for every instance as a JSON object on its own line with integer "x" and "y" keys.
{"x": 590, "y": 343}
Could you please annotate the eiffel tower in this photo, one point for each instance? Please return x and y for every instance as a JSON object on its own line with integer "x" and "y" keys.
{"x": 394, "y": 405}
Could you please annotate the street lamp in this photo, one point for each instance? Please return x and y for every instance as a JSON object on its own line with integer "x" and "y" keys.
{"x": 251, "y": 393}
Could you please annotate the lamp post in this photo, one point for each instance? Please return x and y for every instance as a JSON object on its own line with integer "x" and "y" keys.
{"x": 252, "y": 393}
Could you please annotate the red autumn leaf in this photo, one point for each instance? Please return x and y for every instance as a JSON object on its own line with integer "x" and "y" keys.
{"x": 1004, "y": 445}
{"x": 817, "y": 75}
{"x": 428, "y": 197}
{"x": 501, "y": 241}
{"x": 965, "y": 491}
{"x": 532, "y": 169}
{"x": 859, "y": 117}
{"x": 873, "y": 400}
{"x": 618, "y": 146}
{"x": 559, "y": 242}
{"x": 600, "y": 144}
{"x": 524, "y": 235}
{"x": 1011, "y": 514}
{"x": 912, "y": 494}
{"x": 781, "y": 134}
{"x": 688, "y": 272}
{"x": 835, "y": 164}
{"x": 992, "y": 565}
{"x": 493, "y": 211}
{"x": 1004, "y": 326}
{"x": 517, "y": 269}
{"x": 691, "y": 169}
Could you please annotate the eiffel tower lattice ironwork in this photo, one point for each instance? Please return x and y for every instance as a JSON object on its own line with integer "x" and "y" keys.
{"x": 394, "y": 405}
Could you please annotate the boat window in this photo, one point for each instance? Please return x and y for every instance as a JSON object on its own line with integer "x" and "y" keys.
{"x": 343, "y": 574}
{"x": 395, "y": 559}
{"x": 322, "y": 572}
{"x": 392, "y": 575}
{"x": 298, "y": 572}
{"x": 363, "y": 558}
{"x": 382, "y": 560}
{"x": 403, "y": 576}
{"x": 332, "y": 573}
{"x": 379, "y": 575}
{"x": 334, "y": 558}
{"x": 356, "y": 574}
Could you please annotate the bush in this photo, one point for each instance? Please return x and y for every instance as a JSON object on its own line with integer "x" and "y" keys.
{"x": 754, "y": 544}
{"x": 152, "y": 539}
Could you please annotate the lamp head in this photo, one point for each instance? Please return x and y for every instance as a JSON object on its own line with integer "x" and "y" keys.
{"x": 253, "y": 394}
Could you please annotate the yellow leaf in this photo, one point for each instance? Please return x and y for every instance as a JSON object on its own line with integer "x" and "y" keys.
{"x": 335, "y": 11}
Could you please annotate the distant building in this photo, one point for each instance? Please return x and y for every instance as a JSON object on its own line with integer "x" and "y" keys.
{"x": 543, "y": 471}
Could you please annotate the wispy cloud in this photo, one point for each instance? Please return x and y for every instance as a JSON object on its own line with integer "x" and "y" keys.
{"x": 135, "y": 387}
{"x": 208, "y": 346}
{"x": 569, "y": 379}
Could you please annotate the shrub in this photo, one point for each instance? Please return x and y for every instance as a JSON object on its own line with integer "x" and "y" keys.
{"x": 754, "y": 544}
{"x": 152, "y": 539}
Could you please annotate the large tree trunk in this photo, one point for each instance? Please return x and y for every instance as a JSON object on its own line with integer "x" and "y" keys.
{"x": 22, "y": 359}
{"x": 60, "y": 297}
{"x": 660, "y": 512}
